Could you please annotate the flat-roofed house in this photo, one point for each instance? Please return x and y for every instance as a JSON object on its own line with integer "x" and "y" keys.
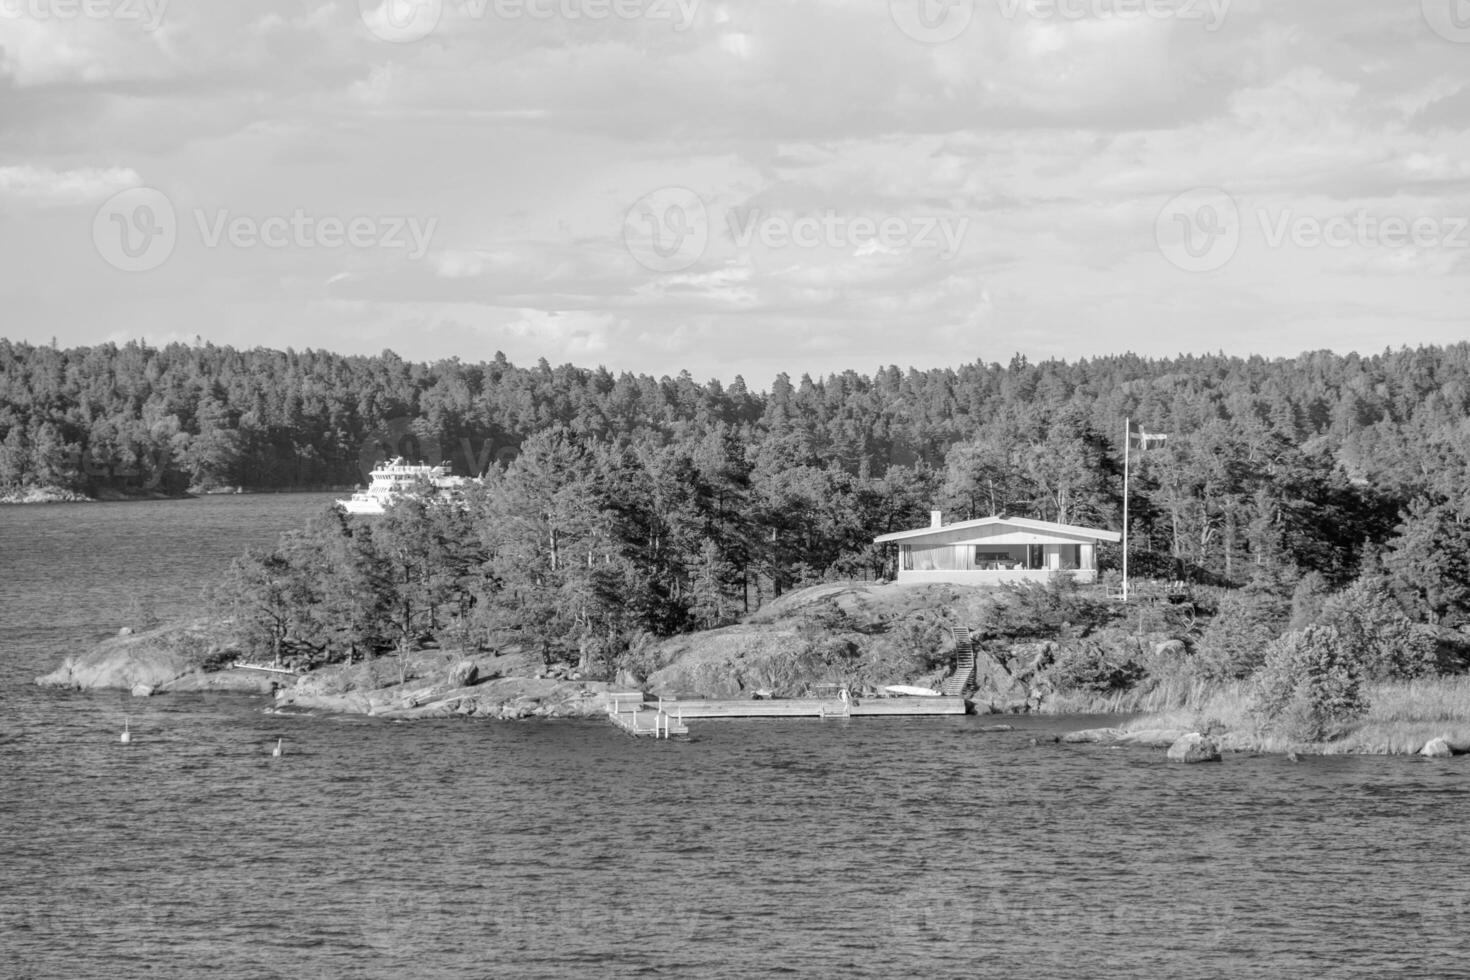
{"x": 996, "y": 550}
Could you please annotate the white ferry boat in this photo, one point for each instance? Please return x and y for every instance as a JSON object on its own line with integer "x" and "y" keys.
{"x": 392, "y": 478}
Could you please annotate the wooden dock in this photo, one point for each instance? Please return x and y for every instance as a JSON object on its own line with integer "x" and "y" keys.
{"x": 666, "y": 717}
{"x": 628, "y": 711}
{"x": 814, "y": 708}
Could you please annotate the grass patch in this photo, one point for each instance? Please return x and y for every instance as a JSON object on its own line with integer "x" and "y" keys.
{"x": 1401, "y": 717}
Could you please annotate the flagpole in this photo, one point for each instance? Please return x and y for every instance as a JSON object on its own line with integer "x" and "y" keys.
{"x": 1127, "y": 441}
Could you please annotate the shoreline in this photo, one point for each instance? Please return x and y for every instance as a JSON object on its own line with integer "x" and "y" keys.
{"x": 187, "y": 659}
{"x": 29, "y": 496}
{"x": 432, "y": 683}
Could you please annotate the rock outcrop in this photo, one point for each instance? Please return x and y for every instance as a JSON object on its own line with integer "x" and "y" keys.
{"x": 1437, "y": 748}
{"x": 506, "y": 698}
{"x": 154, "y": 659}
{"x": 1194, "y": 747}
{"x": 1153, "y": 738}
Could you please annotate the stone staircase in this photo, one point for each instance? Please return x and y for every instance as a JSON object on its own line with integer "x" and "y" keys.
{"x": 963, "y": 679}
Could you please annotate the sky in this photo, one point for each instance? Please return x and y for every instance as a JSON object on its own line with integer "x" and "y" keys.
{"x": 743, "y": 187}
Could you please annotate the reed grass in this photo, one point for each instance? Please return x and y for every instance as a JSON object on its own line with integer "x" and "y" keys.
{"x": 1402, "y": 716}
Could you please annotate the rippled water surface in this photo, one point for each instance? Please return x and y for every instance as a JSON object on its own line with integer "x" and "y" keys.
{"x": 875, "y": 848}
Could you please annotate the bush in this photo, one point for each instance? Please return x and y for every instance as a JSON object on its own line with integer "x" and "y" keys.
{"x": 1311, "y": 686}
{"x": 1388, "y": 644}
{"x": 1092, "y": 667}
{"x": 1045, "y": 611}
{"x": 1234, "y": 644}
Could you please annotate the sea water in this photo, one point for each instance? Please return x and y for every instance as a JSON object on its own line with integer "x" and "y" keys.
{"x": 467, "y": 848}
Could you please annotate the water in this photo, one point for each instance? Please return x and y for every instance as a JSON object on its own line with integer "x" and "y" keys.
{"x": 869, "y": 848}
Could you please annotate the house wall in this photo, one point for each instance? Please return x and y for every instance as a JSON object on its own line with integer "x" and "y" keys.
{"x": 929, "y": 557}
{"x": 990, "y": 578}
{"x": 950, "y": 555}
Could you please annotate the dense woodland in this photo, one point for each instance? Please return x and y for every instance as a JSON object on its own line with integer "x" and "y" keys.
{"x": 616, "y": 506}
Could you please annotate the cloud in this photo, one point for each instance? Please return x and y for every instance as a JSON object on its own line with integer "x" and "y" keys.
{"x": 1056, "y": 139}
{"x": 40, "y": 187}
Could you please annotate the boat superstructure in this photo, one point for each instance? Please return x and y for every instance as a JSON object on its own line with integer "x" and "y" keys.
{"x": 392, "y": 478}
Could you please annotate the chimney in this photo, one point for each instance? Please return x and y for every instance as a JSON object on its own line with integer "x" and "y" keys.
{"x": 936, "y": 518}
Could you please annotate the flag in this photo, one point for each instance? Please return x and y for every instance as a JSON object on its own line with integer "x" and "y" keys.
{"x": 1140, "y": 439}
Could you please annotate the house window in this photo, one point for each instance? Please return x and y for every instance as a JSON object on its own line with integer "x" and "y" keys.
{"x": 907, "y": 556}
{"x": 990, "y": 561}
{"x": 1035, "y": 556}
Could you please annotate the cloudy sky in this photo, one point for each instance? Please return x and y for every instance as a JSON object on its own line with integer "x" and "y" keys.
{"x": 737, "y": 187}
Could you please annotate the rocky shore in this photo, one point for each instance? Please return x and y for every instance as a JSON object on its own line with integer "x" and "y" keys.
{"x": 1191, "y": 746}
{"x": 863, "y": 633}
{"x": 425, "y": 684}
{"x": 42, "y": 495}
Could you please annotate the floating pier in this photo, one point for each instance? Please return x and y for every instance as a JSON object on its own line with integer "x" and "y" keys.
{"x": 666, "y": 717}
{"x": 628, "y": 711}
{"x": 815, "y": 707}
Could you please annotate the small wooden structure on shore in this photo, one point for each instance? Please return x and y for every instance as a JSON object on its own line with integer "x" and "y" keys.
{"x": 666, "y": 717}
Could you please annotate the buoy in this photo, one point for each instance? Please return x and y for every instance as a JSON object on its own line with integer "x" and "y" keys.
{"x": 276, "y": 752}
{"x": 126, "y": 735}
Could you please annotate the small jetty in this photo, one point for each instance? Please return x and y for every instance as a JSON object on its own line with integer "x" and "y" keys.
{"x": 632, "y": 714}
{"x": 274, "y": 668}
{"x": 666, "y": 717}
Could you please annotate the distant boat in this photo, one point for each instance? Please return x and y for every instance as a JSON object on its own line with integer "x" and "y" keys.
{"x": 395, "y": 477}
{"x": 904, "y": 690}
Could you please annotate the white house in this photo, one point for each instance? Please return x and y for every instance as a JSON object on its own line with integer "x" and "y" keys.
{"x": 994, "y": 550}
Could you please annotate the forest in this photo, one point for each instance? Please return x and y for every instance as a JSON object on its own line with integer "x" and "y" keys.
{"x": 618, "y": 506}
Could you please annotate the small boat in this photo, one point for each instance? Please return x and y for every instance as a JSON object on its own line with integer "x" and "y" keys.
{"x": 906, "y": 691}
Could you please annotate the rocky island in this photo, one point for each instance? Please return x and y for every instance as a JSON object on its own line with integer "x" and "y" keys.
{"x": 856, "y": 635}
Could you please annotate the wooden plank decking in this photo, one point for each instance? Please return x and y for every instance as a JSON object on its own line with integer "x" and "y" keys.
{"x": 666, "y": 718}
{"x": 812, "y": 708}
{"x": 628, "y": 712}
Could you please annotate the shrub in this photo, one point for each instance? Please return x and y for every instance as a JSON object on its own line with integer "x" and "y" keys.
{"x": 1307, "y": 600}
{"x": 1388, "y": 644}
{"x": 1311, "y": 686}
{"x": 1045, "y": 611}
{"x": 1093, "y": 667}
{"x": 1234, "y": 644}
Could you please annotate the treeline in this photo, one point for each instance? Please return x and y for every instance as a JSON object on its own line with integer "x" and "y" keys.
{"x": 1315, "y": 463}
